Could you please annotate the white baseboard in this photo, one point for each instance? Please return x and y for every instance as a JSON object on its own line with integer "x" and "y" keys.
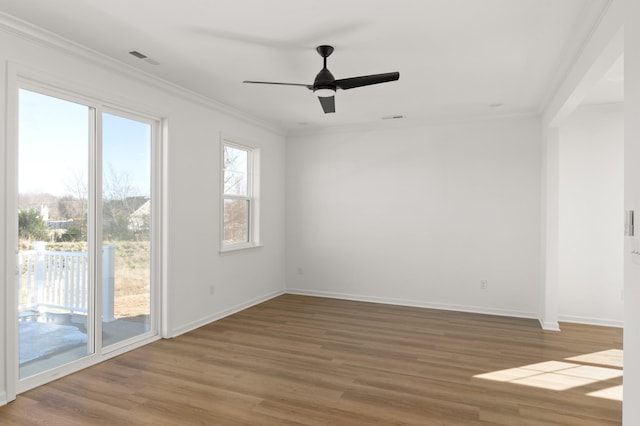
{"x": 219, "y": 315}
{"x": 549, "y": 325}
{"x": 604, "y": 322}
{"x": 415, "y": 303}
{"x": 546, "y": 325}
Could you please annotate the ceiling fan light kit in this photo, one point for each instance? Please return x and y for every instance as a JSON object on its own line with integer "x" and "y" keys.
{"x": 324, "y": 93}
{"x": 325, "y": 85}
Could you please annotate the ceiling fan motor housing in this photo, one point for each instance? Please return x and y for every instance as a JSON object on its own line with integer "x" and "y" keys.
{"x": 324, "y": 80}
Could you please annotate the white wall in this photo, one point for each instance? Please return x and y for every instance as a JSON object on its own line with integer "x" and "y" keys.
{"x": 192, "y": 157}
{"x": 631, "y": 408}
{"x": 241, "y": 278}
{"x": 591, "y": 189}
{"x": 418, "y": 215}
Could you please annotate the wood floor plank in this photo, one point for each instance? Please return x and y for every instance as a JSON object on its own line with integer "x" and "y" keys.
{"x": 297, "y": 360}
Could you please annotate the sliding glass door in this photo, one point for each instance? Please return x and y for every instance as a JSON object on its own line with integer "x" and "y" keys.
{"x": 126, "y": 223}
{"x": 54, "y": 299}
{"x": 85, "y": 228}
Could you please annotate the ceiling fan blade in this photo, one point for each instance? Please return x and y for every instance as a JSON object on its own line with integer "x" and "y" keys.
{"x": 308, "y": 86}
{"x": 366, "y": 80}
{"x": 328, "y": 103}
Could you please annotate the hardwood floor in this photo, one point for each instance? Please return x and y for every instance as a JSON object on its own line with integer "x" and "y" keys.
{"x": 298, "y": 360}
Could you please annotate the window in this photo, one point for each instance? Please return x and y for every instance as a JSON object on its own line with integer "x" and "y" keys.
{"x": 239, "y": 194}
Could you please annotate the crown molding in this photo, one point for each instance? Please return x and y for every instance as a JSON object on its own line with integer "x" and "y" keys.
{"x": 597, "y": 35}
{"x": 407, "y": 123}
{"x": 581, "y": 34}
{"x": 39, "y": 36}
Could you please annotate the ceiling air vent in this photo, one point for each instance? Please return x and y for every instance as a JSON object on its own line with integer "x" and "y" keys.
{"x": 138, "y": 54}
{"x": 392, "y": 117}
{"x": 144, "y": 57}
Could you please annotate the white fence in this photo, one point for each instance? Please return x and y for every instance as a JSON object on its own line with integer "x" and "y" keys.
{"x": 59, "y": 279}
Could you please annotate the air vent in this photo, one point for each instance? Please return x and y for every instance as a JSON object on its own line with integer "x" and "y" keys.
{"x": 144, "y": 57}
{"x": 392, "y": 117}
{"x": 138, "y": 54}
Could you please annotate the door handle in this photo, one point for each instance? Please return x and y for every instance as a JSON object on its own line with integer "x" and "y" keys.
{"x": 629, "y": 230}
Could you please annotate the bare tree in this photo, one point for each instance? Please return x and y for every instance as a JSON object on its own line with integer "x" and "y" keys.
{"x": 117, "y": 187}
{"x": 78, "y": 187}
{"x": 234, "y": 179}
{"x": 120, "y": 204}
{"x": 235, "y": 186}
{"x": 68, "y": 207}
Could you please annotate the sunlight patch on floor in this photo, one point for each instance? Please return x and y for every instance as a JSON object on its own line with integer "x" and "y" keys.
{"x": 611, "y": 357}
{"x": 614, "y": 393}
{"x": 560, "y": 376}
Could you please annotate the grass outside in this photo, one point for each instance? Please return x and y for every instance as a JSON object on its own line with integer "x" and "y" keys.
{"x": 132, "y": 278}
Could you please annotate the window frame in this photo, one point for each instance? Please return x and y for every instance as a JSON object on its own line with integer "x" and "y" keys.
{"x": 20, "y": 78}
{"x": 252, "y": 197}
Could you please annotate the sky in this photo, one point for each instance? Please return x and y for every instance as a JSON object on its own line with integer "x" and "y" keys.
{"x": 54, "y": 146}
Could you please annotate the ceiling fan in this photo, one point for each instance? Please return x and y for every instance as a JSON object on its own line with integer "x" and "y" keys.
{"x": 325, "y": 84}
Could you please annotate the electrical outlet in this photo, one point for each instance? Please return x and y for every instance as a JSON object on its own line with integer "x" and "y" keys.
{"x": 212, "y": 289}
{"x": 300, "y": 271}
{"x": 484, "y": 284}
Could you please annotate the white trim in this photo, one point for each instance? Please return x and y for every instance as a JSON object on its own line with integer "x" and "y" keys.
{"x": 253, "y": 196}
{"x": 11, "y": 354}
{"x": 156, "y": 197}
{"x": 49, "y": 40}
{"x": 545, "y": 325}
{"x": 23, "y": 78}
{"x": 225, "y": 313}
{"x": 163, "y": 242}
{"x": 94, "y": 233}
{"x": 86, "y": 362}
{"x": 238, "y": 248}
{"x": 41, "y": 81}
{"x": 405, "y": 123}
{"x": 6, "y": 246}
{"x": 582, "y": 33}
{"x": 416, "y": 304}
{"x": 156, "y": 233}
{"x": 599, "y": 51}
{"x": 604, "y": 322}
{"x": 549, "y": 325}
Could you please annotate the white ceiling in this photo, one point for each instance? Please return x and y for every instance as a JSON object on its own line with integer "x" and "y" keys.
{"x": 456, "y": 58}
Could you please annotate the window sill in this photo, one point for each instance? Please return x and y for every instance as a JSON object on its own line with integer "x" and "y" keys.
{"x": 238, "y": 249}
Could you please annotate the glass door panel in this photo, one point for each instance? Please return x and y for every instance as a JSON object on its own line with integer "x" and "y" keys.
{"x": 126, "y": 222}
{"x": 54, "y": 300}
